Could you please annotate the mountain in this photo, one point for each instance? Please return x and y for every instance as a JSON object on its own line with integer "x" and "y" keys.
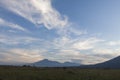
{"x": 113, "y": 63}
{"x": 48, "y": 63}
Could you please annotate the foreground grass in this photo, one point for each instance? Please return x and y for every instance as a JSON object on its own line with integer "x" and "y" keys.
{"x": 29, "y": 73}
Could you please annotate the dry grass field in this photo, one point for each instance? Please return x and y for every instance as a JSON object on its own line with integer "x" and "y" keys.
{"x": 32, "y": 73}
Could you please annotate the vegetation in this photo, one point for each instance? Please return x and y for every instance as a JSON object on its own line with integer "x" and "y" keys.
{"x": 33, "y": 73}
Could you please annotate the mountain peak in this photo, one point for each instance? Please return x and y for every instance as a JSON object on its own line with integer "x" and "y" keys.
{"x": 49, "y": 63}
{"x": 45, "y": 60}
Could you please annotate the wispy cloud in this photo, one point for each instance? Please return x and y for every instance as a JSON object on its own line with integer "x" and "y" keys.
{"x": 86, "y": 44}
{"x": 77, "y": 43}
{"x": 62, "y": 49}
{"x": 113, "y": 43}
{"x": 81, "y": 57}
{"x": 20, "y": 55}
{"x": 106, "y": 51}
{"x": 67, "y": 49}
{"x": 15, "y": 40}
{"x": 37, "y": 11}
{"x": 4, "y": 23}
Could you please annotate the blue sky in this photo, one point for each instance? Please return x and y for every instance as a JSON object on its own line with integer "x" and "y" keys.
{"x": 83, "y": 31}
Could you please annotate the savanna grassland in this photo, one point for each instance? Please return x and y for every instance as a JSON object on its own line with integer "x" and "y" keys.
{"x": 32, "y": 73}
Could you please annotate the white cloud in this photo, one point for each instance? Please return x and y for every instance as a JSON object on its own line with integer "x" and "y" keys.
{"x": 103, "y": 51}
{"x": 113, "y": 43}
{"x": 21, "y": 55}
{"x": 69, "y": 49}
{"x": 36, "y": 11}
{"x": 86, "y": 44}
{"x": 107, "y": 51}
{"x": 15, "y": 40}
{"x": 71, "y": 31}
{"x": 77, "y": 32}
{"x": 61, "y": 42}
{"x": 11, "y": 25}
{"x": 77, "y": 43}
{"x": 62, "y": 49}
{"x": 83, "y": 58}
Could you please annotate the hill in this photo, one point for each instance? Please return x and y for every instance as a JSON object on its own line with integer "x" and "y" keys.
{"x": 113, "y": 64}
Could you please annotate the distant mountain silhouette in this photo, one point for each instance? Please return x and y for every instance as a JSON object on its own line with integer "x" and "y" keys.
{"x": 113, "y": 63}
{"x": 48, "y": 63}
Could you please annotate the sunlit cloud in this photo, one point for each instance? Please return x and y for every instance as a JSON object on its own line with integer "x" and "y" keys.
{"x": 86, "y": 44}
{"x": 107, "y": 51}
{"x": 20, "y": 55}
{"x": 77, "y": 43}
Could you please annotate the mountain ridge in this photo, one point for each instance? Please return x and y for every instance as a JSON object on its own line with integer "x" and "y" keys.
{"x": 49, "y": 63}
{"x": 112, "y": 63}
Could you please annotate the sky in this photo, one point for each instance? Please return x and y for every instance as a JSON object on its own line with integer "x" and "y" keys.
{"x": 81, "y": 31}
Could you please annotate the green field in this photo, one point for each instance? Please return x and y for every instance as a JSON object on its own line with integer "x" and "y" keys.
{"x": 29, "y": 73}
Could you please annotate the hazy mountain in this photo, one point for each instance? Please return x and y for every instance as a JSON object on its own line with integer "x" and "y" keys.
{"x": 113, "y": 63}
{"x": 48, "y": 63}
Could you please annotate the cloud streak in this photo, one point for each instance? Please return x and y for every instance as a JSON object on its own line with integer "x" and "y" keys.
{"x": 4, "y": 23}
{"x": 20, "y": 55}
{"x": 37, "y": 11}
{"x": 15, "y": 40}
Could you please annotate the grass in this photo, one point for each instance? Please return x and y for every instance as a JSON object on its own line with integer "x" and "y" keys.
{"x": 32, "y": 73}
